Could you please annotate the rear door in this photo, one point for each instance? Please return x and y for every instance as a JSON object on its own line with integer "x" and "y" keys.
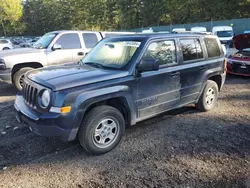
{"x": 158, "y": 91}
{"x": 70, "y": 43}
{"x": 90, "y": 39}
{"x": 193, "y": 67}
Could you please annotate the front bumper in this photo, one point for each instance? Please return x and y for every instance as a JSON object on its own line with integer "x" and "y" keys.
{"x": 238, "y": 71}
{"x": 43, "y": 124}
{"x": 5, "y": 75}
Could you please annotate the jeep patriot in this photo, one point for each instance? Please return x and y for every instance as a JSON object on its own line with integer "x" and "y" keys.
{"x": 123, "y": 80}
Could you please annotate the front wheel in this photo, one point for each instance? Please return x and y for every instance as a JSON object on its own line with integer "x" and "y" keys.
{"x": 19, "y": 76}
{"x": 101, "y": 130}
{"x": 6, "y": 48}
{"x": 208, "y": 98}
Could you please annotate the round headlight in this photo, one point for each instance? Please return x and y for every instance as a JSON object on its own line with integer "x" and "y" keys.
{"x": 45, "y": 99}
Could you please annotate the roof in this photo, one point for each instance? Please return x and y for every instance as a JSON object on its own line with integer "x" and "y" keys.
{"x": 162, "y": 35}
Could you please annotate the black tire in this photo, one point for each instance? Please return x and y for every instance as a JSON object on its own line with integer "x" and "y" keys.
{"x": 91, "y": 123}
{"x": 206, "y": 101}
{"x": 6, "y": 48}
{"x": 18, "y": 76}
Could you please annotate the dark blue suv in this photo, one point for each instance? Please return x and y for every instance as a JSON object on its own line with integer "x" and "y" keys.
{"x": 123, "y": 80}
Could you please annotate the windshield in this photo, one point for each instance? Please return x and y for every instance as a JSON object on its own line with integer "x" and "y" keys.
{"x": 224, "y": 33}
{"x": 112, "y": 53}
{"x": 45, "y": 40}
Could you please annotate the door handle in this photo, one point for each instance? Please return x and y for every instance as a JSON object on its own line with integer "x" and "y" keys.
{"x": 203, "y": 67}
{"x": 80, "y": 53}
{"x": 173, "y": 74}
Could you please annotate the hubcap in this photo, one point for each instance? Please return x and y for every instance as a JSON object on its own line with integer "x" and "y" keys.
{"x": 210, "y": 96}
{"x": 106, "y": 132}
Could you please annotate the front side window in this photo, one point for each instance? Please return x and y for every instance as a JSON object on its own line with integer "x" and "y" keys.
{"x": 69, "y": 41}
{"x": 163, "y": 51}
{"x": 212, "y": 46}
{"x": 112, "y": 53}
{"x": 4, "y": 42}
{"x": 90, "y": 39}
{"x": 191, "y": 49}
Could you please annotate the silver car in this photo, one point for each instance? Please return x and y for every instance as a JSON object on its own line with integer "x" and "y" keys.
{"x": 5, "y": 44}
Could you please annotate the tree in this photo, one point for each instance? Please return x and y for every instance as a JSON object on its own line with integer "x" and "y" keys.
{"x": 10, "y": 12}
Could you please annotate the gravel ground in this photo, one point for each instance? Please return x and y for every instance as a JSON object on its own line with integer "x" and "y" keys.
{"x": 181, "y": 148}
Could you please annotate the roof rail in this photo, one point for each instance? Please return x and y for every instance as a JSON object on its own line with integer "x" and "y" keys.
{"x": 193, "y": 32}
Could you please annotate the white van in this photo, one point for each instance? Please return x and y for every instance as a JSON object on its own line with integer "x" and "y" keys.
{"x": 225, "y": 33}
{"x": 179, "y": 29}
{"x": 199, "y": 29}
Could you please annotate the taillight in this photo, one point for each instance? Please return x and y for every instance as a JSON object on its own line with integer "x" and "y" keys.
{"x": 225, "y": 65}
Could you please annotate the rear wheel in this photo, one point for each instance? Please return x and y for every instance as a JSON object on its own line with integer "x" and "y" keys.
{"x": 19, "y": 76}
{"x": 6, "y": 48}
{"x": 101, "y": 130}
{"x": 208, "y": 98}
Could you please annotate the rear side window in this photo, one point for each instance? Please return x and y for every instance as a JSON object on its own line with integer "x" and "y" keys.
{"x": 69, "y": 41}
{"x": 191, "y": 49}
{"x": 90, "y": 39}
{"x": 213, "y": 49}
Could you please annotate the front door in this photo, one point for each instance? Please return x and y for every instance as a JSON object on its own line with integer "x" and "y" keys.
{"x": 158, "y": 91}
{"x": 69, "y": 42}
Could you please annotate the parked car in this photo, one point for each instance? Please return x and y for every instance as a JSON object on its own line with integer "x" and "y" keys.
{"x": 199, "y": 29}
{"x": 178, "y": 30}
{"x": 122, "y": 80}
{"x": 225, "y": 34}
{"x": 239, "y": 62}
{"x": 28, "y": 43}
{"x": 5, "y": 44}
{"x": 53, "y": 48}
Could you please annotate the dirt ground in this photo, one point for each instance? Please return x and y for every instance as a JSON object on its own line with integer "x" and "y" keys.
{"x": 181, "y": 148}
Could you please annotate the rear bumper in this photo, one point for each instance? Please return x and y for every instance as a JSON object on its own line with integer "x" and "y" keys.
{"x": 223, "y": 79}
{"x": 44, "y": 125}
{"x": 5, "y": 75}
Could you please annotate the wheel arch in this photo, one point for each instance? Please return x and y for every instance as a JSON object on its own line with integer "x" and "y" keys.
{"x": 117, "y": 97}
{"x": 19, "y": 66}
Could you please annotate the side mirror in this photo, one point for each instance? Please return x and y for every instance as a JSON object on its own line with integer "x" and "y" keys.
{"x": 56, "y": 47}
{"x": 148, "y": 64}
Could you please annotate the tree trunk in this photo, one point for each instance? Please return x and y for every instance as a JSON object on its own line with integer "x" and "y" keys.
{"x": 3, "y": 28}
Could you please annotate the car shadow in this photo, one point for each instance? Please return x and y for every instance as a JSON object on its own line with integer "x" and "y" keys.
{"x": 7, "y": 90}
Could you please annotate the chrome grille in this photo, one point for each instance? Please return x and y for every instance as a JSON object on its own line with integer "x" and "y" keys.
{"x": 30, "y": 94}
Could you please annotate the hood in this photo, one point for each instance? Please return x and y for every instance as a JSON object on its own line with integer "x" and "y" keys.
{"x": 18, "y": 51}
{"x": 242, "y": 41}
{"x": 64, "y": 77}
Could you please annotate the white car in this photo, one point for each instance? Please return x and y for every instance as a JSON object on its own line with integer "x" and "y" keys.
{"x": 199, "y": 29}
{"x": 5, "y": 44}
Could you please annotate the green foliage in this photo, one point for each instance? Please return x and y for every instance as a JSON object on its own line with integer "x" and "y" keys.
{"x": 41, "y": 16}
{"x": 10, "y": 13}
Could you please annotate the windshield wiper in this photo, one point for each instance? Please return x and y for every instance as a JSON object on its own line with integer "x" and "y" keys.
{"x": 98, "y": 65}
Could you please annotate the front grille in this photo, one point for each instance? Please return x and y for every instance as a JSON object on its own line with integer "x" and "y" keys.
{"x": 238, "y": 68}
{"x": 30, "y": 94}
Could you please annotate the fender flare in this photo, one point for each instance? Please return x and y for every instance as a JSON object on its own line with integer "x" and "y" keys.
{"x": 89, "y": 98}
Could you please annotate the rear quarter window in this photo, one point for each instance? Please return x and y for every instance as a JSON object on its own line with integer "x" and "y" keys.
{"x": 213, "y": 49}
